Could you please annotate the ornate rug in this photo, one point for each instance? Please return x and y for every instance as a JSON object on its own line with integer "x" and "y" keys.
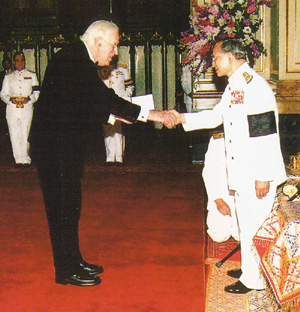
{"x": 217, "y": 300}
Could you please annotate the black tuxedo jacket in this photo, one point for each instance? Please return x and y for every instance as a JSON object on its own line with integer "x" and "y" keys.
{"x": 2, "y": 75}
{"x": 72, "y": 98}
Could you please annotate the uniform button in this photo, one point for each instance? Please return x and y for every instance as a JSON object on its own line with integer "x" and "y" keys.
{"x": 229, "y": 106}
{"x": 230, "y": 141}
{"x": 232, "y": 158}
{"x": 231, "y": 124}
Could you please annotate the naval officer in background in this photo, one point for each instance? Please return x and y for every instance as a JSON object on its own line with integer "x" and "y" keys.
{"x": 20, "y": 90}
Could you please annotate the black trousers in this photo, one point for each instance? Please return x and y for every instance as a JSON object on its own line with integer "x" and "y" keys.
{"x": 60, "y": 178}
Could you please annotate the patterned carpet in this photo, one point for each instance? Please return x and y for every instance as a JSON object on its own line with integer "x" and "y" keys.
{"x": 217, "y": 300}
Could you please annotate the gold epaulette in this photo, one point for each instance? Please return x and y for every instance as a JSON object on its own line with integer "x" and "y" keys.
{"x": 247, "y": 77}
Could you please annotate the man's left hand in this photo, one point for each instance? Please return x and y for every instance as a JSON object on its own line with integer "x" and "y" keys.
{"x": 262, "y": 188}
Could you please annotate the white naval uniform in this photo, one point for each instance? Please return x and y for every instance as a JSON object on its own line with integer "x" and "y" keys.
{"x": 121, "y": 83}
{"x": 22, "y": 83}
{"x": 248, "y": 157}
{"x": 186, "y": 83}
{"x": 214, "y": 174}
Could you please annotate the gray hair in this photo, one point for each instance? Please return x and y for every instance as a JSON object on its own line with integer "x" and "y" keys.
{"x": 235, "y": 47}
{"x": 99, "y": 29}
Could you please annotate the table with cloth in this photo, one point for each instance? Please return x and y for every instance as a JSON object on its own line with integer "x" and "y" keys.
{"x": 278, "y": 244}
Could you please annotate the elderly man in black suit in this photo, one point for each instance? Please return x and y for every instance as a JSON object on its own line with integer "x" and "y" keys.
{"x": 72, "y": 98}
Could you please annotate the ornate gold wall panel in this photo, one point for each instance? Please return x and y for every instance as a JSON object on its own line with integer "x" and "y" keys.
{"x": 288, "y": 86}
{"x": 289, "y": 39}
{"x": 262, "y": 65}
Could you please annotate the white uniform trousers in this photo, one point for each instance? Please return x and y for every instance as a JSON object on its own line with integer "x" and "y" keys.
{"x": 214, "y": 174}
{"x": 115, "y": 146}
{"x": 251, "y": 213}
{"x": 19, "y": 128}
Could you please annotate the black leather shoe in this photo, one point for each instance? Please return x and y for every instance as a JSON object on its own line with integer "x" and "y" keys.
{"x": 92, "y": 269}
{"x": 237, "y": 288}
{"x": 108, "y": 164}
{"x": 236, "y": 273}
{"x": 119, "y": 164}
{"x": 79, "y": 279}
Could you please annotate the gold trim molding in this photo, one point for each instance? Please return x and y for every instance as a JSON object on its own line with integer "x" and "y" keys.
{"x": 289, "y": 39}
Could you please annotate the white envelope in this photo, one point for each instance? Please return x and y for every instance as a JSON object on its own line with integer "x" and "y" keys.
{"x": 144, "y": 101}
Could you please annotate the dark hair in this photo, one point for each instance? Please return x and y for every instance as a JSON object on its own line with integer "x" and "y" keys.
{"x": 6, "y": 60}
{"x": 235, "y": 47}
{"x": 18, "y": 53}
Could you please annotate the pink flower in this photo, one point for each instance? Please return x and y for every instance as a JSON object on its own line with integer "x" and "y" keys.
{"x": 214, "y": 10}
{"x": 231, "y": 35}
{"x": 226, "y": 15}
{"x": 251, "y": 6}
{"x": 267, "y": 3}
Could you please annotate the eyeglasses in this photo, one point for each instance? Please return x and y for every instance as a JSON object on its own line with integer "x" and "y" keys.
{"x": 214, "y": 58}
{"x": 113, "y": 44}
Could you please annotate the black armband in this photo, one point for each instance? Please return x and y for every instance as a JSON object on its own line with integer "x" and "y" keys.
{"x": 262, "y": 124}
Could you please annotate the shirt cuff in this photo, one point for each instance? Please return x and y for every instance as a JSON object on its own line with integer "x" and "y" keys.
{"x": 144, "y": 113}
{"x": 188, "y": 125}
{"x": 111, "y": 119}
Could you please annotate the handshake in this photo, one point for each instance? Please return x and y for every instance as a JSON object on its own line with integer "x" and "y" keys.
{"x": 169, "y": 118}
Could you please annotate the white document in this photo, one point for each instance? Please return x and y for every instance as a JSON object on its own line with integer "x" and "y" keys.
{"x": 146, "y": 101}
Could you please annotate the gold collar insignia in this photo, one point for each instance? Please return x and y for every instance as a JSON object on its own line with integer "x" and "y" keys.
{"x": 247, "y": 77}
